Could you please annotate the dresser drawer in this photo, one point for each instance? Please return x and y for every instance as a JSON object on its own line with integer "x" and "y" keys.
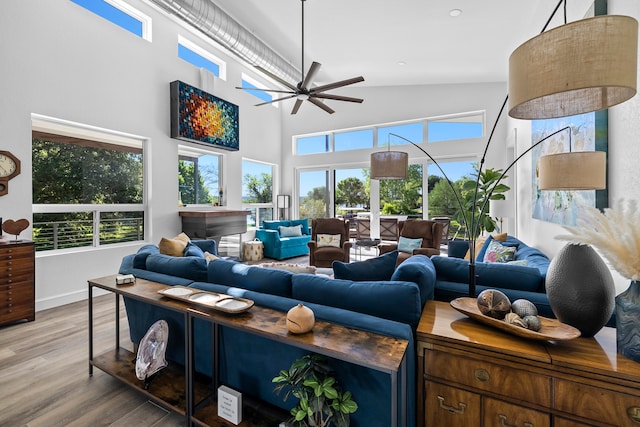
{"x": 450, "y": 407}
{"x": 498, "y": 413}
{"x": 563, "y": 422}
{"x": 486, "y": 376}
{"x": 12, "y": 314}
{"x": 597, "y": 404}
{"x": 15, "y": 278}
{"x": 17, "y": 252}
{"x": 14, "y": 297}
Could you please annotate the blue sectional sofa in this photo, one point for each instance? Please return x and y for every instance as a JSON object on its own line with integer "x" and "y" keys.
{"x": 516, "y": 281}
{"x": 279, "y": 246}
{"x": 389, "y": 301}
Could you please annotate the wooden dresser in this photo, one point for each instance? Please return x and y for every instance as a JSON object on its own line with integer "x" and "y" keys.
{"x": 470, "y": 374}
{"x": 17, "y": 281}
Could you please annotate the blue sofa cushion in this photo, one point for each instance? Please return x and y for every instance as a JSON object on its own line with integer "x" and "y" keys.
{"x": 378, "y": 268}
{"x": 140, "y": 258}
{"x": 193, "y": 250}
{"x": 418, "y": 269}
{"x": 290, "y": 242}
{"x": 192, "y": 268}
{"x": 399, "y": 301}
{"x": 253, "y": 278}
{"x": 494, "y": 275}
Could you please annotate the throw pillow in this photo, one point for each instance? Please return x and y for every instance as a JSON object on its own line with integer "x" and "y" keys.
{"x": 332, "y": 240}
{"x": 294, "y": 268}
{"x": 293, "y": 231}
{"x": 497, "y": 253}
{"x": 407, "y": 245}
{"x": 377, "y": 268}
{"x": 481, "y": 240}
{"x": 175, "y": 246}
{"x": 518, "y": 262}
{"x": 193, "y": 250}
{"x": 209, "y": 257}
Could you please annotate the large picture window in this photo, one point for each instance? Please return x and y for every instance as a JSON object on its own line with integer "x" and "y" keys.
{"x": 199, "y": 180}
{"x": 87, "y": 192}
{"x": 257, "y": 191}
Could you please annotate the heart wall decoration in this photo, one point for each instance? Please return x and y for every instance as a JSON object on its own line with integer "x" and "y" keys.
{"x": 15, "y": 227}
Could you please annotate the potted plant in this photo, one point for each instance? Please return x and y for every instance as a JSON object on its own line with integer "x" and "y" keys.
{"x": 482, "y": 220}
{"x": 321, "y": 402}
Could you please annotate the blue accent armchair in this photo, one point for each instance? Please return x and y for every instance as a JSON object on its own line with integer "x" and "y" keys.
{"x": 278, "y": 247}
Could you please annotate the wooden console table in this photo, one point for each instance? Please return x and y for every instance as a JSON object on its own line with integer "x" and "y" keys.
{"x": 470, "y": 374}
{"x": 182, "y": 392}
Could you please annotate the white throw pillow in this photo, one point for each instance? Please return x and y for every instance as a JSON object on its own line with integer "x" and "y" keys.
{"x": 293, "y": 231}
{"x": 328, "y": 240}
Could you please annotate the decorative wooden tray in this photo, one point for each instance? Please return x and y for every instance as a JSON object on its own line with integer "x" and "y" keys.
{"x": 551, "y": 329}
{"x": 222, "y": 302}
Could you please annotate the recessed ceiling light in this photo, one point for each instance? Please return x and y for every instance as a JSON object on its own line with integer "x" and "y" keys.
{"x": 455, "y": 12}
{"x": 401, "y": 63}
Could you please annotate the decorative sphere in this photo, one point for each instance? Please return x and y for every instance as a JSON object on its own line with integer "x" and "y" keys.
{"x": 523, "y": 308}
{"x": 532, "y": 322}
{"x": 493, "y": 303}
{"x": 300, "y": 319}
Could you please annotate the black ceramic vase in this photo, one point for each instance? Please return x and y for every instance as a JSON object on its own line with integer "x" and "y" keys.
{"x": 580, "y": 289}
{"x": 628, "y": 322}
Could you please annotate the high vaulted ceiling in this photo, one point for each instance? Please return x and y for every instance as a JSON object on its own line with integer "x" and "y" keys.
{"x": 373, "y": 37}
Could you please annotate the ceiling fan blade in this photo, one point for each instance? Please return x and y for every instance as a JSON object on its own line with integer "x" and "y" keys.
{"x": 321, "y": 105}
{"x": 264, "y": 90}
{"x": 337, "y": 97}
{"x": 296, "y": 106}
{"x": 335, "y": 85}
{"x": 278, "y": 79}
{"x": 313, "y": 70}
{"x": 276, "y": 100}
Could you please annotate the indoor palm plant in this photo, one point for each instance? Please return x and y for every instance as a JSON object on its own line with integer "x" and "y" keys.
{"x": 321, "y": 402}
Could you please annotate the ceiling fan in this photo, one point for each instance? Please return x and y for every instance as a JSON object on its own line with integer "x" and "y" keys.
{"x": 304, "y": 89}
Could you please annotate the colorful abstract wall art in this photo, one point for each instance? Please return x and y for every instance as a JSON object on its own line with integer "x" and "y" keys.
{"x": 200, "y": 117}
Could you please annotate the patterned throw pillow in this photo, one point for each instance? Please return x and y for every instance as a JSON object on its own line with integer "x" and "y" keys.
{"x": 407, "y": 245}
{"x": 498, "y": 253}
{"x": 328, "y": 240}
{"x": 293, "y": 231}
{"x": 293, "y": 268}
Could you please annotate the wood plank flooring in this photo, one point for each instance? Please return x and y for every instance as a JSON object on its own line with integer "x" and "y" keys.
{"x": 44, "y": 373}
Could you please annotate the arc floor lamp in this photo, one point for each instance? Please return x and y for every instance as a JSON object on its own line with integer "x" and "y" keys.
{"x": 576, "y": 68}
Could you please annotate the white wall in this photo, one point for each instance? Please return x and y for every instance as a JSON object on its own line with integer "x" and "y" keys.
{"x": 624, "y": 151}
{"x": 63, "y": 61}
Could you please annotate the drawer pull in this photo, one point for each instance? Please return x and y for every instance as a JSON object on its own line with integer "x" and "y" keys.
{"x": 482, "y": 375}
{"x": 503, "y": 422}
{"x": 634, "y": 413}
{"x": 459, "y": 410}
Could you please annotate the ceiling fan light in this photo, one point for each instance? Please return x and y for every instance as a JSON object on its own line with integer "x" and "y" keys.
{"x": 583, "y": 66}
{"x": 302, "y": 96}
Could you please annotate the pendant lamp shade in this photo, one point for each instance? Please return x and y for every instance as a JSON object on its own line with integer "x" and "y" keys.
{"x": 389, "y": 165}
{"x": 579, "y": 67}
{"x": 578, "y": 170}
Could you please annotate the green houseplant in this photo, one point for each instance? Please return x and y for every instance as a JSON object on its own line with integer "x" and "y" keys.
{"x": 479, "y": 208}
{"x": 321, "y": 402}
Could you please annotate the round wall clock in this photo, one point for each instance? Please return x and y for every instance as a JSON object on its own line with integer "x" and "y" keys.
{"x": 9, "y": 168}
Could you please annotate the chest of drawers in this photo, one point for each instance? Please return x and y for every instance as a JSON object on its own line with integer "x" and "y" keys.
{"x": 17, "y": 281}
{"x": 472, "y": 375}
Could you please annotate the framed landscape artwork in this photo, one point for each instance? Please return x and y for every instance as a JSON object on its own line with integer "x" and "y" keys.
{"x": 198, "y": 116}
{"x": 588, "y": 133}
